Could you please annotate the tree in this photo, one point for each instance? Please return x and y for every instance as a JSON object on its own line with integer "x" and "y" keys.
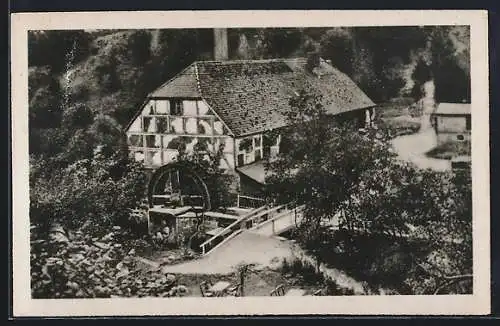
{"x": 45, "y": 99}
{"x": 337, "y": 45}
{"x": 58, "y": 44}
{"x": 421, "y": 74}
{"x": 451, "y": 79}
{"x": 314, "y": 168}
{"x": 139, "y": 47}
{"x": 446, "y": 223}
{"x": 338, "y": 172}
{"x": 380, "y": 57}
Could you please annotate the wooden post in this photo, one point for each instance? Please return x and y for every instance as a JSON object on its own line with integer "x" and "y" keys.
{"x": 149, "y": 223}
{"x": 238, "y": 200}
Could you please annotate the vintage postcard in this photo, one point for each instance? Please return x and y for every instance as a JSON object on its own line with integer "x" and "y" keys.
{"x": 250, "y": 163}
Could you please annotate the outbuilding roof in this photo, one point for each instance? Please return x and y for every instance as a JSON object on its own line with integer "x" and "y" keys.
{"x": 452, "y": 108}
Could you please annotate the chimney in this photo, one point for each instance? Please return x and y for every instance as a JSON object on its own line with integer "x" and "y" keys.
{"x": 221, "y": 52}
{"x": 313, "y": 60}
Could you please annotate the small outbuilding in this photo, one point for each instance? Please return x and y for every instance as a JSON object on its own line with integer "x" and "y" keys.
{"x": 452, "y": 122}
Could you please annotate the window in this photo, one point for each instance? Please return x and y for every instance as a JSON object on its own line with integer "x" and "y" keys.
{"x": 245, "y": 145}
{"x": 175, "y": 107}
{"x": 135, "y": 140}
{"x": 467, "y": 123}
{"x": 460, "y": 137}
{"x": 241, "y": 159}
{"x": 162, "y": 124}
{"x": 257, "y": 147}
{"x": 258, "y": 155}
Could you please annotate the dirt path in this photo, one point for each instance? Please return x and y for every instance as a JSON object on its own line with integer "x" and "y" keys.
{"x": 261, "y": 250}
{"x": 413, "y": 148}
{"x": 247, "y": 247}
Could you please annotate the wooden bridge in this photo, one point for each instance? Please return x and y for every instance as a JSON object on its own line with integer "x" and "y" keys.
{"x": 264, "y": 220}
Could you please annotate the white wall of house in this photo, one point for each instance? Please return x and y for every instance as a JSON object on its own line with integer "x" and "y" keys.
{"x": 250, "y": 149}
{"x": 154, "y": 136}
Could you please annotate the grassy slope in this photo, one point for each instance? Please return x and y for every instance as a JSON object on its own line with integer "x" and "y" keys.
{"x": 397, "y": 117}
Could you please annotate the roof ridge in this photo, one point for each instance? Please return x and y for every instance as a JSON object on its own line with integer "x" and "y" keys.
{"x": 197, "y": 77}
{"x": 250, "y": 60}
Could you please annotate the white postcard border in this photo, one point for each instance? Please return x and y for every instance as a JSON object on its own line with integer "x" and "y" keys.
{"x": 475, "y": 304}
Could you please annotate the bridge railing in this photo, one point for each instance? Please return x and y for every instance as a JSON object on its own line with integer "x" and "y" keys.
{"x": 290, "y": 217}
{"x": 256, "y": 216}
{"x": 227, "y": 231}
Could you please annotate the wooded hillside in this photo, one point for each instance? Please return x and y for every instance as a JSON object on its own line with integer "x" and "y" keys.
{"x": 97, "y": 79}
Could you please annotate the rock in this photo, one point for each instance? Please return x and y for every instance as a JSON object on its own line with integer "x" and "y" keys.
{"x": 73, "y": 285}
{"x": 182, "y": 289}
{"x": 127, "y": 260}
{"x": 171, "y": 278}
{"x": 275, "y": 264}
{"x": 101, "y": 245}
{"x": 165, "y": 261}
{"x": 258, "y": 267}
{"x": 110, "y": 235}
{"x": 78, "y": 257}
{"x": 59, "y": 237}
{"x": 122, "y": 273}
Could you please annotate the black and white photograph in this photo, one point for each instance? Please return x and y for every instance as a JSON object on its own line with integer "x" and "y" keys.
{"x": 218, "y": 164}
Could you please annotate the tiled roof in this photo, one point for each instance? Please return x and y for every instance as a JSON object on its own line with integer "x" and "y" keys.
{"x": 252, "y": 95}
{"x": 182, "y": 85}
{"x": 453, "y": 108}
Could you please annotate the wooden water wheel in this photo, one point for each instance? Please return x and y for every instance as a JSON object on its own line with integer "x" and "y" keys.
{"x": 174, "y": 192}
{"x": 180, "y": 185}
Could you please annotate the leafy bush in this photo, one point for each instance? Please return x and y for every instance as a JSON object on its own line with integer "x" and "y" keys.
{"x": 449, "y": 150}
{"x": 399, "y": 126}
{"x": 91, "y": 193}
{"x": 95, "y": 267}
{"x": 308, "y": 275}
